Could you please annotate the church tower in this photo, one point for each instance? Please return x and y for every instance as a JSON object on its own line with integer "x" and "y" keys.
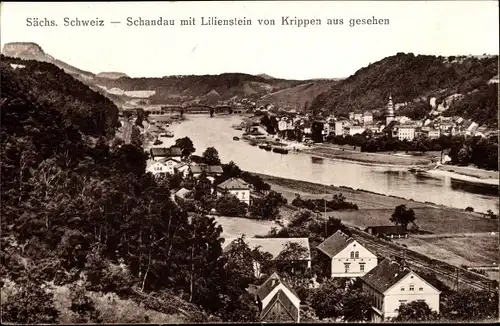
{"x": 389, "y": 116}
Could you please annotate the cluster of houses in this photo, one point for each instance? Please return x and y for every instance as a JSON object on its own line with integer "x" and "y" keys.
{"x": 389, "y": 283}
{"x": 396, "y": 126}
{"x": 165, "y": 161}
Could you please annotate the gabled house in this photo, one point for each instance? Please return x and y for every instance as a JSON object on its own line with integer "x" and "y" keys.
{"x": 183, "y": 168}
{"x": 277, "y": 301}
{"x": 235, "y": 187}
{"x": 391, "y": 284}
{"x": 273, "y": 246}
{"x": 390, "y": 231}
{"x": 348, "y": 257}
{"x": 158, "y": 153}
{"x": 162, "y": 166}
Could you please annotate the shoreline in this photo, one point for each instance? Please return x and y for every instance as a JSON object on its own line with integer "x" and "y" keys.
{"x": 319, "y": 189}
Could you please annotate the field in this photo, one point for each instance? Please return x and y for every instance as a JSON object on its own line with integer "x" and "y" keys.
{"x": 434, "y": 220}
{"x": 234, "y": 227}
{"x": 458, "y": 237}
{"x": 468, "y": 250}
{"x": 373, "y": 158}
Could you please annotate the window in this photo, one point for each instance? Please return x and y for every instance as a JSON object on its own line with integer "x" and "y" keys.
{"x": 361, "y": 267}
{"x": 356, "y": 254}
{"x": 346, "y": 266}
{"x": 352, "y": 254}
{"x": 420, "y": 300}
{"x": 402, "y": 288}
{"x": 420, "y": 289}
{"x": 402, "y": 301}
{"x": 412, "y": 287}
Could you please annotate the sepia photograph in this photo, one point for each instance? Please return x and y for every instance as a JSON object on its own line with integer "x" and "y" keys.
{"x": 191, "y": 162}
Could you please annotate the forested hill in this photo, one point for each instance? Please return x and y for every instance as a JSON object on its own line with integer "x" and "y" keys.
{"x": 90, "y": 112}
{"x": 86, "y": 219}
{"x": 205, "y": 88}
{"x": 408, "y": 77}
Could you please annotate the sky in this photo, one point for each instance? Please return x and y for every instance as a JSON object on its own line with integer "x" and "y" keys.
{"x": 321, "y": 51}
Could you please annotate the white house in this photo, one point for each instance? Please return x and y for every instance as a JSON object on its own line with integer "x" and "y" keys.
{"x": 183, "y": 168}
{"x": 339, "y": 127}
{"x": 391, "y": 284}
{"x": 277, "y": 301}
{"x": 235, "y": 187}
{"x": 273, "y": 246}
{"x": 367, "y": 118}
{"x": 406, "y": 132}
{"x": 162, "y": 166}
{"x": 348, "y": 257}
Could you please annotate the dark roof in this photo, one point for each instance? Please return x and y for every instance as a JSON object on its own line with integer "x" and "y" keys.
{"x": 208, "y": 169}
{"x": 281, "y": 298}
{"x": 233, "y": 183}
{"x": 268, "y": 286}
{"x": 388, "y": 229}
{"x": 385, "y": 275}
{"x": 166, "y": 152}
{"x": 335, "y": 243}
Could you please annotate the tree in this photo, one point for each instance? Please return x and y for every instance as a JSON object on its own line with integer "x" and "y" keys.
{"x": 402, "y": 216}
{"x": 186, "y": 146}
{"x": 268, "y": 207}
{"x": 211, "y": 156}
{"x": 415, "y": 311}
{"x": 326, "y": 301}
{"x": 83, "y": 306}
{"x": 30, "y": 304}
{"x": 470, "y": 305}
{"x": 229, "y": 205}
{"x": 356, "y": 306}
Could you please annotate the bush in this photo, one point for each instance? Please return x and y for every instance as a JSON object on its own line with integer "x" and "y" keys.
{"x": 469, "y": 209}
{"x": 229, "y": 205}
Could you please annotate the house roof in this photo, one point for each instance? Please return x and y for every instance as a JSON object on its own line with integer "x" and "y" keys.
{"x": 166, "y": 159}
{"x": 234, "y": 183}
{"x": 335, "y": 244}
{"x": 182, "y": 192}
{"x": 209, "y": 169}
{"x": 270, "y": 284}
{"x": 385, "y": 275}
{"x": 388, "y": 229}
{"x": 274, "y": 246}
{"x": 167, "y": 152}
{"x": 281, "y": 298}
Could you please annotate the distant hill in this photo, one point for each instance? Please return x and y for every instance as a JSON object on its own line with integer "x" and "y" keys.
{"x": 298, "y": 97}
{"x": 410, "y": 78}
{"x": 33, "y": 51}
{"x": 91, "y": 112}
{"x": 181, "y": 89}
{"x": 111, "y": 75}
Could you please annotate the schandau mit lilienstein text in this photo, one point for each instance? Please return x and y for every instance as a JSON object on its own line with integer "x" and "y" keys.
{"x": 210, "y": 21}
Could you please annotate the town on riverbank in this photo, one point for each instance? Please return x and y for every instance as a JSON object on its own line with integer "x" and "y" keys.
{"x": 432, "y": 241}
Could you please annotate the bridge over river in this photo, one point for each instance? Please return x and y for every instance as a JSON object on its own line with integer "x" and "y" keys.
{"x": 194, "y": 109}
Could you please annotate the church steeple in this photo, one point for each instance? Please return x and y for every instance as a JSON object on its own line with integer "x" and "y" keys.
{"x": 389, "y": 116}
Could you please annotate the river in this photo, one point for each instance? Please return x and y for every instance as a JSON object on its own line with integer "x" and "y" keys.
{"x": 217, "y": 132}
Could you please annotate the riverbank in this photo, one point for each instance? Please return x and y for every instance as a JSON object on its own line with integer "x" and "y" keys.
{"x": 469, "y": 172}
{"x": 378, "y": 159}
{"x": 376, "y": 209}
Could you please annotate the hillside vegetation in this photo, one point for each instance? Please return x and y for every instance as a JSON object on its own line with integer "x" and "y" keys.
{"x": 47, "y": 85}
{"x": 86, "y": 217}
{"x": 298, "y": 97}
{"x": 408, "y": 77}
{"x": 205, "y": 88}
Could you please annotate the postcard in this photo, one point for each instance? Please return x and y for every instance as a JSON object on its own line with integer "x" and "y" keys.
{"x": 249, "y": 162}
